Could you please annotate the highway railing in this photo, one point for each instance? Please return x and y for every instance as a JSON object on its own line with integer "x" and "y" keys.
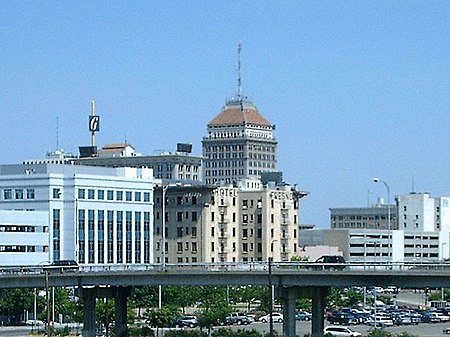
{"x": 230, "y": 266}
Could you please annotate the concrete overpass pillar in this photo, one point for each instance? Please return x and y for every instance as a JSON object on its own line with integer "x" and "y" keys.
{"x": 318, "y": 307}
{"x": 122, "y": 294}
{"x": 289, "y": 296}
{"x": 89, "y": 312}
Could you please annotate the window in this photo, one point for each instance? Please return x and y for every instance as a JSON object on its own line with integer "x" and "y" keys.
{"x": 179, "y": 216}
{"x": 212, "y": 231}
{"x": 56, "y": 193}
{"x": 194, "y": 200}
{"x": 7, "y": 194}
{"x": 128, "y": 196}
{"x": 119, "y": 195}
{"x": 245, "y": 218}
{"x": 91, "y": 194}
{"x": 137, "y": 196}
{"x": 179, "y": 232}
{"x": 100, "y": 194}
{"x": 245, "y": 233}
{"x": 179, "y": 200}
{"x": 194, "y": 216}
{"x": 194, "y": 232}
{"x": 30, "y": 193}
{"x": 212, "y": 216}
{"x": 81, "y": 193}
{"x": 110, "y": 195}
{"x": 194, "y": 247}
{"x": 19, "y": 193}
{"x": 146, "y": 197}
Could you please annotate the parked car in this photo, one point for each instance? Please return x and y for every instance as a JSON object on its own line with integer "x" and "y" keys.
{"x": 380, "y": 320}
{"x": 330, "y": 262}
{"x": 238, "y": 318}
{"x": 276, "y": 317}
{"x": 428, "y": 317}
{"x": 446, "y": 331}
{"x": 401, "y": 319}
{"x": 340, "y": 331}
{"x": 189, "y": 321}
{"x": 303, "y": 316}
{"x": 342, "y": 318}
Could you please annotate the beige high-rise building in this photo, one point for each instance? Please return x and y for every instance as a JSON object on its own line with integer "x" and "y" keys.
{"x": 227, "y": 223}
{"x": 240, "y": 144}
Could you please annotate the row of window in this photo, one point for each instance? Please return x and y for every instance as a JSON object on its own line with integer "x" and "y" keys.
{"x": 110, "y": 195}
{"x": 19, "y": 193}
{"x": 22, "y": 249}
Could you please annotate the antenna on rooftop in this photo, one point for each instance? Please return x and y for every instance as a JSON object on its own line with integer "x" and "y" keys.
{"x": 57, "y": 133}
{"x": 239, "y": 88}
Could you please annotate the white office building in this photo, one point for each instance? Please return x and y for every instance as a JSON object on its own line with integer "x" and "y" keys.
{"x": 95, "y": 215}
{"x": 24, "y": 238}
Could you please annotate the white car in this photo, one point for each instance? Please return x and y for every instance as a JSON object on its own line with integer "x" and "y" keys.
{"x": 340, "y": 331}
{"x": 276, "y": 317}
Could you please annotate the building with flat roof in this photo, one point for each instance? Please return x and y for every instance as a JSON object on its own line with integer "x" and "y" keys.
{"x": 375, "y": 217}
{"x": 96, "y": 215}
{"x": 206, "y": 223}
{"x": 168, "y": 166}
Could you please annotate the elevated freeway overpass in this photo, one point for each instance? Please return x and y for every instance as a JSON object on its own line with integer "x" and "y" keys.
{"x": 292, "y": 280}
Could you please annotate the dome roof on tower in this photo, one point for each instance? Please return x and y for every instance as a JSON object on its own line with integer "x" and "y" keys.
{"x": 239, "y": 112}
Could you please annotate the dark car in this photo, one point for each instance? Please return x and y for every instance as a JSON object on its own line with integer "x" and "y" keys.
{"x": 189, "y": 321}
{"x": 343, "y": 318}
{"x": 62, "y": 265}
{"x": 331, "y": 262}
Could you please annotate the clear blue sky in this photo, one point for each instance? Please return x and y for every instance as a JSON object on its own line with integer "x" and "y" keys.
{"x": 357, "y": 89}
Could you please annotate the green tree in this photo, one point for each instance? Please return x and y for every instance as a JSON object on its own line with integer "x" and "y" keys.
{"x": 144, "y": 297}
{"x": 248, "y": 294}
{"x": 14, "y": 302}
{"x": 181, "y": 296}
{"x": 163, "y": 317}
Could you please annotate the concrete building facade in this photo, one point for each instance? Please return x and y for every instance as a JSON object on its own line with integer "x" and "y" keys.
{"x": 24, "y": 237}
{"x": 240, "y": 144}
{"x": 226, "y": 223}
{"x": 96, "y": 215}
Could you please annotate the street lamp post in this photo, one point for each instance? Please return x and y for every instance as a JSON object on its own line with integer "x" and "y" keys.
{"x": 389, "y": 217}
{"x": 271, "y": 289}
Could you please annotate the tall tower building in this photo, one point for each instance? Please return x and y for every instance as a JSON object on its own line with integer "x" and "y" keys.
{"x": 240, "y": 143}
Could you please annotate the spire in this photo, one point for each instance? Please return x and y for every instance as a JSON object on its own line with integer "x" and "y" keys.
{"x": 239, "y": 87}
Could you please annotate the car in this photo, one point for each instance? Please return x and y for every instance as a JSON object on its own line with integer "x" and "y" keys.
{"x": 189, "y": 321}
{"x": 340, "y": 331}
{"x": 303, "y": 316}
{"x": 238, "y": 318}
{"x": 62, "y": 265}
{"x": 342, "y": 318}
{"x": 446, "y": 331}
{"x": 276, "y": 317}
{"x": 402, "y": 319}
{"x": 380, "y": 320}
{"x": 330, "y": 262}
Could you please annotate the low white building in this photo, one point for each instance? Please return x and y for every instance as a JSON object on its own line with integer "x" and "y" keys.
{"x": 95, "y": 215}
{"x": 24, "y": 238}
{"x": 372, "y": 246}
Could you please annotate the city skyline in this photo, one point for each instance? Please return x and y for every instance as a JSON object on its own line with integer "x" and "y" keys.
{"x": 356, "y": 90}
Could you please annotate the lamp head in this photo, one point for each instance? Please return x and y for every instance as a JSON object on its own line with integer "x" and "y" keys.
{"x": 376, "y": 180}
